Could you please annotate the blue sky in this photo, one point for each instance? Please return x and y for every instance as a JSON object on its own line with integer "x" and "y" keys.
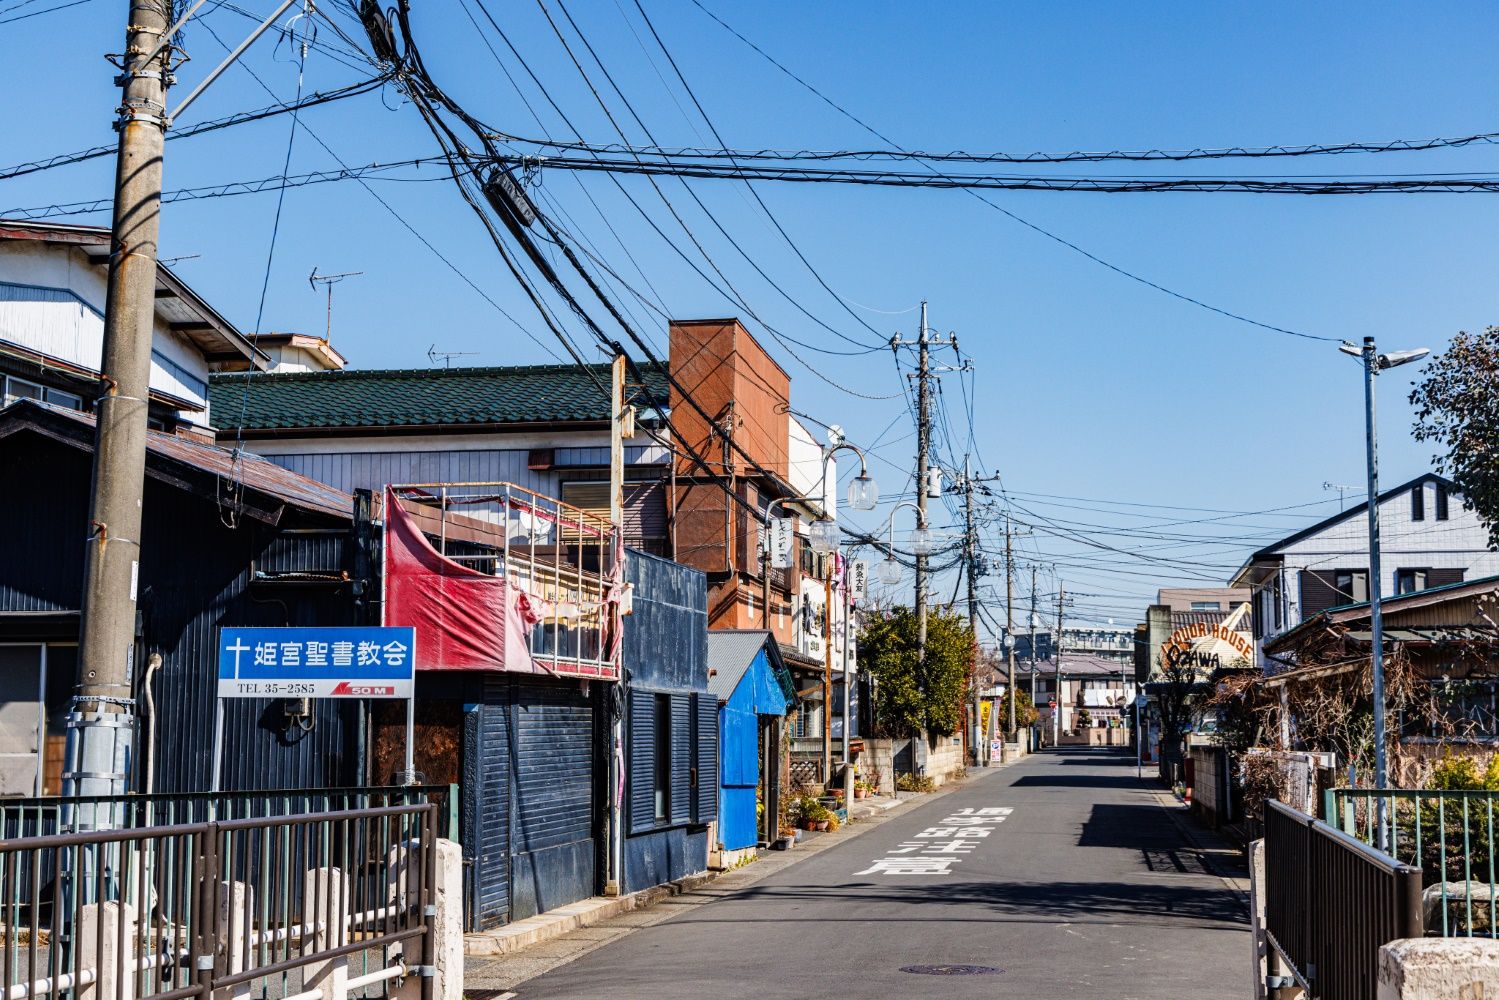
{"x": 1086, "y": 384}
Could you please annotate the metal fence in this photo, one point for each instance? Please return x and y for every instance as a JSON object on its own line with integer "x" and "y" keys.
{"x": 37, "y": 817}
{"x": 1449, "y": 835}
{"x": 1331, "y": 901}
{"x": 262, "y": 907}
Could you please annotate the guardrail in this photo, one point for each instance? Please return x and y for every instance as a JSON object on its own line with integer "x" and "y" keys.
{"x": 275, "y": 906}
{"x": 1331, "y": 902}
{"x": 1449, "y": 835}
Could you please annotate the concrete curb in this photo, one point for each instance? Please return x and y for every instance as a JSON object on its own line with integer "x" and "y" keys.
{"x": 515, "y": 938}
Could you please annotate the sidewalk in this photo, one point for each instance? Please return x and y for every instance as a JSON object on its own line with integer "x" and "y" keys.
{"x": 500, "y": 959}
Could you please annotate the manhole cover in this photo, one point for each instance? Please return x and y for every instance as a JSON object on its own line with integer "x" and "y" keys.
{"x": 951, "y": 970}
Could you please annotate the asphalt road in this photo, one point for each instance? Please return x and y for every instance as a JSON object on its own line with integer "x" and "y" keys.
{"x": 1084, "y": 888}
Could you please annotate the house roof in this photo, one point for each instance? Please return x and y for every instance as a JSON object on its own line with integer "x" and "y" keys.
{"x": 267, "y": 488}
{"x": 1085, "y": 665}
{"x": 1387, "y": 605}
{"x": 730, "y": 655}
{"x": 183, "y": 310}
{"x": 423, "y": 397}
{"x": 1358, "y": 510}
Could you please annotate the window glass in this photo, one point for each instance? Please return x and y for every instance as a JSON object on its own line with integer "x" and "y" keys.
{"x": 1441, "y": 502}
{"x": 59, "y": 398}
{"x": 1352, "y": 585}
{"x": 1410, "y": 580}
{"x": 1418, "y": 503}
{"x": 1206, "y": 606}
{"x": 663, "y": 755}
{"x": 20, "y": 388}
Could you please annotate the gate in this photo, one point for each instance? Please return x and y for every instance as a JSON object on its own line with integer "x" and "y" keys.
{"x": 275, "y": 905}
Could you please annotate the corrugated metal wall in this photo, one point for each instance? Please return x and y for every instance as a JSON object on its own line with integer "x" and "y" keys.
{"x": 194, "y": 578}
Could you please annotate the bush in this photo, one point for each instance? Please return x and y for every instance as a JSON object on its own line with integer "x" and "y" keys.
{"x": 913, "y": 783}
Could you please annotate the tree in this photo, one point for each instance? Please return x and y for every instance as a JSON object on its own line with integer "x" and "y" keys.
{"x": 887, "y": 649}
{"x": 1177, "y": 699}
{"x": 1025, "y": 712}
{"x": 1457, "y": 408}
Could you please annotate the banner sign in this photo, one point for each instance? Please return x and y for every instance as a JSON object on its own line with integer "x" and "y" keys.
{"x": 357, "y": 662}
{"x": 858, "y": 579}
{"x": 778, "y": 540}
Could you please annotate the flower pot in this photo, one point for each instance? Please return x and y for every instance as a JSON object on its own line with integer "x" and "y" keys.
{"x": 809, "y": 824}
{"x": 822, "y": 825}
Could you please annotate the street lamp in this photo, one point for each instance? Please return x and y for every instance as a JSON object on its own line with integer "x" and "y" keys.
{"x": 1374, "y": 363}
{"x": 862, "y": 492}
{"x": 823, "y": 536}
{"x": 920, "y": 541}
{"x": 888, "y": 572}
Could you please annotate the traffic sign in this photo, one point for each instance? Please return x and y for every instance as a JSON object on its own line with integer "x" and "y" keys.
{"x": 364, "y": 662}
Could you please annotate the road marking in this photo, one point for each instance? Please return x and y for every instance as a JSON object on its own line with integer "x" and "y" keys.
{"x": 935, "y": 850}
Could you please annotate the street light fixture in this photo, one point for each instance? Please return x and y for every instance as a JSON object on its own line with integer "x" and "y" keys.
{"x": 823, "y": 536}
{"x": 919, "y": 541}
{"x": 889, "y": 572}
{"x": 1374, "y": 363}
{"x": 862, "y": 493}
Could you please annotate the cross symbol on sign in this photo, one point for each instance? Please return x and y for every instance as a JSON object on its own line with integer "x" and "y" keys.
{"x": 238, "y": 648}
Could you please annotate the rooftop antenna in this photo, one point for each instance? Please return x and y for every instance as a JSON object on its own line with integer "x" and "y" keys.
{"x": 314, "y": 279}
{"x": 1341, "y": 489}
{"x": 446, "y": 357}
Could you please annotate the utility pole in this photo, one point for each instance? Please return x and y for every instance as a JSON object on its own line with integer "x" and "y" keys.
{"x": 1056, "y": 652}
{"x": 1010, "y": 623}
{"x": 1033, "y": 620}
{"x": 619, "y": 418}
{"x": 923, "y": 442}
{"x": 102, "y": 718}
{"x": 980, "y": 738}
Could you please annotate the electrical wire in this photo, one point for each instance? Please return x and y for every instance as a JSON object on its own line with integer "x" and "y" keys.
{"x": 1394, "y": 184}
{"x": 1011, "y": 215}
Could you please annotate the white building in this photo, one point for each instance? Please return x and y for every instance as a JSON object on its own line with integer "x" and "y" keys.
{"x": 52, "y": 291}
{"x": 1427, "y": 539}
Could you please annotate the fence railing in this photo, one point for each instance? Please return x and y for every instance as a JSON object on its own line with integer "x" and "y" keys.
{"x": 1331, "y": 902}
{"x": 274, "y": 906}
{"x": 37, "y": 817}
{"x": 1449, "y": 835}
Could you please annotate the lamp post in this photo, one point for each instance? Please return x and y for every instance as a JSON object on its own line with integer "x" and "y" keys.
{"x": 1374, "y": 363}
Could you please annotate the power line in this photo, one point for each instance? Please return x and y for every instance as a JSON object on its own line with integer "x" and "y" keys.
{"x": 241, "y": 118}
{"x": 1396, "y": 184}
{"x": 1006, "y": 212}
{"x": 962, "y": 156}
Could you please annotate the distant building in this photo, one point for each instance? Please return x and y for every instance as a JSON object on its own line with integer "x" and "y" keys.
{"x": 1202, "y": 598}
{"x": 1107, "y": 642}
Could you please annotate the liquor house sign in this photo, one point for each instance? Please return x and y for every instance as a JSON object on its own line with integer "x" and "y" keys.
{"x": 1208, "y": 647}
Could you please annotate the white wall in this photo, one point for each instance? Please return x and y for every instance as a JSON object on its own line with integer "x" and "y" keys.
{"x": 806, "y": 465}
{"x": 1460, "y": 542}
{"x": 52, "y": 302}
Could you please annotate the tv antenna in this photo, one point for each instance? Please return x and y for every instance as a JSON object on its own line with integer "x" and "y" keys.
{"x": 446, "y": 357}
{"x": 329, "y": 280}
{"x": 1342, "y": 490}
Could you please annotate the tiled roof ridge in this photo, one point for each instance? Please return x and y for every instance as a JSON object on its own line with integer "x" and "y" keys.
{"x": 374, "y": 374}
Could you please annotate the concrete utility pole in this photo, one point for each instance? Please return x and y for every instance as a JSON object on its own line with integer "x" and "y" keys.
{"x": 1033, "y": 621}
{"x": 923, "y": 443}
{"x": 1014, "y": 727}
{"x": 1056, "y": 653}
{"x": 102, "y": 719}
{"x": 980, "y": 738}
{"x": 619, "y": 416}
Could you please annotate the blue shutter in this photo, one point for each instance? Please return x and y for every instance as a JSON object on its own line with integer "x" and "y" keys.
{"x": 640, "y": 751}
{"x": 681, "y": 759}
{"x": 705, "y": 751}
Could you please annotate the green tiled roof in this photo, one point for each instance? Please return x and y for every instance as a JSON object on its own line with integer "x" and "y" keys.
{"x": 419, "y": 396}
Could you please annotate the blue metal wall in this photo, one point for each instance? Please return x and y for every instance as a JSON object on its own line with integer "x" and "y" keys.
{"x": 758, "y": 693}
{"x": 665, "y": 651}
{"x": 195, "y": 577}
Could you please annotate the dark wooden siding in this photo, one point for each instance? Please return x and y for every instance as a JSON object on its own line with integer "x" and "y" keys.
{"x": 1443, "y": 577}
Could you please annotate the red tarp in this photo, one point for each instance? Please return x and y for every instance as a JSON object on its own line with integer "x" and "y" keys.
{"x": 464, "y": 619}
